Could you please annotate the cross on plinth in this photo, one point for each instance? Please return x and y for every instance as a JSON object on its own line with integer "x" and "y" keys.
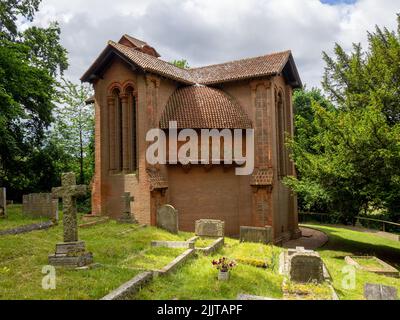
{"x": 127, "y": 215}
{"x": 71, "y": 253}
{"x": 69, "y": 191}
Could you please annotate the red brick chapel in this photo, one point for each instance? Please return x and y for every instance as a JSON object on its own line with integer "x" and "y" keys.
{"x": 136, "y": 91}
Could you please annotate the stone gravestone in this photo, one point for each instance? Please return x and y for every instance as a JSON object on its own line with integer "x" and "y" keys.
{"x": 256, "y": 235}
{"x": 3, "y": 203}
{"x": 210, "y": 228}
{"x": 127, "y": 215}
{"x": 167, "y": 218}
{"x": 40, "y": 205}
{"x": 379, "y": 292}
{"x": 72, "y": 252}
{"x": 305, "y": 266}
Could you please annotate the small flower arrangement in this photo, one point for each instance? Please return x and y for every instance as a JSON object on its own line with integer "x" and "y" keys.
{"x": 224, "y": 264}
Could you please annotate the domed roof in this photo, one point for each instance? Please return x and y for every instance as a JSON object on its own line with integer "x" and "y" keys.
{"x": 200, "y": 107}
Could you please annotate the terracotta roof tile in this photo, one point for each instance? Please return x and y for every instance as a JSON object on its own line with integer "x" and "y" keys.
{"x": 267, "y": 65}
{"x": 138, "y": 43}
{"x": 201, "y": 107}
{"x": 153, "y": 64}
{"x": 262, "y": 177}
{"x": 242, "y": 69}
{"x": 141, "y": 45}
{"x": 235, "y": 70}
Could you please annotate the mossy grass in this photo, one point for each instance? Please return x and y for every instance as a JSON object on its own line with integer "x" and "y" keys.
{"x": 197, "y": 280}
{"x": 22, "y": 258}
{"x": 15, "y": 218}
{"x": 344, "y": 242}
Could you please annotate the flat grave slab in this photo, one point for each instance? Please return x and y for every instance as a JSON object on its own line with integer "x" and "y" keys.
{"x": 372, "y": 264}
{"x": 379, "y": 292}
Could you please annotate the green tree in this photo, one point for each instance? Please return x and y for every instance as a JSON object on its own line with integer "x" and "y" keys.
{"x": 348, "y": 156}
{"x": 74, "y": 127}
{"x": 29, "y": 64}
{"x": 183, "y": 64}
{"x": 11, "y": 10}
{"x": 357, "y": 79}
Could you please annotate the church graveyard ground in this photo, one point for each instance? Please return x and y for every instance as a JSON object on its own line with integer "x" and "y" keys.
{"x": 124, "y": 251}
{"x": 121, "y": 255}
{"x": 16, "y": 218}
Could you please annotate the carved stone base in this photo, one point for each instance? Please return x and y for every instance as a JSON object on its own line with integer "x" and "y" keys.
{"x": 71, "y": 254}
{"x": 127, "y": 219}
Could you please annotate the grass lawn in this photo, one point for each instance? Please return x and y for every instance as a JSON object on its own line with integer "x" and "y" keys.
{"x": 368, "y": 262}
{"x": 123, "y": 251}
{"x": 344, "y": 242}
{"x": 204, "y": 242}
{"x": 197, "y": 280}
{"x": 15, "y": 218}
{"x": 118, "y": 249}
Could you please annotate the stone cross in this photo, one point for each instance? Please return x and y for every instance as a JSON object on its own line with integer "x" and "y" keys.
{"x": 127, "y": 215}
{"x": 69, "y": 191}
{"x": 127, "y": 200}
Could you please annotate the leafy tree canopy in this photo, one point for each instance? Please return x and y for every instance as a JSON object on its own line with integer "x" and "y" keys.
{"x": 357, "y": 79}
{"x": 348, "y": 154}
{"x": 30, "y": 61}
{"x": 183, "y": 64}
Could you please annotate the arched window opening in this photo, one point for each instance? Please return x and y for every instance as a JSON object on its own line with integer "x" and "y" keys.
{"x": 280, "y": 127}
{"x": 132, "y": 129}
{"x": 115, "y": 117}
{"x": 120, "y": 135}
{"x": 261, "y": 124}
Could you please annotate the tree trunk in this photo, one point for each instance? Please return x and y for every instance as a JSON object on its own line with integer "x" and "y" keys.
{"x": 82, "y": 177}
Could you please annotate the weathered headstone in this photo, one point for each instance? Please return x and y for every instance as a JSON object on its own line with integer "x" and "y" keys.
{"x": 305, "y": 267}
{"x": 210, "y": 228}
{"x": 3, "y": 203}
{"x": 256, "y": 235}
{"x": 167, "y": 218}
{"x": 127, "y": 216}
{"x": 71, "y": 253}
{"x": 40, "y": 205}
{"x": 379, "y": 292}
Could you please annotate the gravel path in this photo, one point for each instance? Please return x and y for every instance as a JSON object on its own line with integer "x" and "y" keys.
{"x": 312, "y": 239}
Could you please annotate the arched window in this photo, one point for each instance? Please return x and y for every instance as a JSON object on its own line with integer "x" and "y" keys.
{"x": 261, "y": 124}
{"x": 280, "y": 134}
{"x": 123, "y": 129}
{"x": 119, "y": 126}
{"x": 132, "y": 130}
{"x": 115, "y": 138}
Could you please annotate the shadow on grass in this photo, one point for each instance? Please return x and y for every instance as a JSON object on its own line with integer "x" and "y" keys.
{"x": 339, "y": 243}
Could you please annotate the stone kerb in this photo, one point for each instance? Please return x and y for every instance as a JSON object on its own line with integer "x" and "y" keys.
{"x": 176, "y": 263}
{"x": 173, "y": 244}
{"x": 131, "y": 287}
{"x": 218, "y": 244}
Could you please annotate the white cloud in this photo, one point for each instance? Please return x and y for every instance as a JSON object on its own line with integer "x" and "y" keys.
{"x": 211, "y": 31}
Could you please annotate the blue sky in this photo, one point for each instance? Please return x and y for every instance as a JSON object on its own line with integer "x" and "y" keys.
{"x": 212, "y": 31}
